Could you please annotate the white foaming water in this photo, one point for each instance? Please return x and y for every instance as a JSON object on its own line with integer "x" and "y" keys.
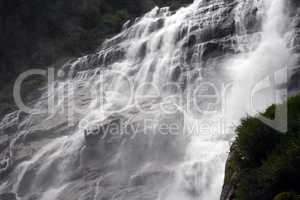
{"x": 270, "y": 56}
{"x": 160, "y": 55}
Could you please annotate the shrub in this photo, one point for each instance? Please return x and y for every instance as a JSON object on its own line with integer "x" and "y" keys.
{"x": 267, "y": 162}
{"x": 285, "y": 196}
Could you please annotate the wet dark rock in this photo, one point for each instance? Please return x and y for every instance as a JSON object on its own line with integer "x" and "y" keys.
{"x": 188, "y": 56}
{"x": 216, "y": 48}
{"x": 252, "y": 23}
{"x": 108, "y": 130}
{"x": 5, "y": 167}
{"x": 294, "y": 82}
{"x": 227, "y": 27}
{"x": 192, "y": 41}
{"x": 91, "y": 138}
{"x": 217, "y": 31}
{"x": 194, "y": 28}
{"x": 176, "y": 73}
{"x": 230, "y": 180}
{"x": 158, "y": 24}
{"x": 181, "y": 34}
{"x": 212, "y": 49}
{"x": 4, "y": 142}
{"x": 8, "y": 196}
{"x": 294, "y": 5}
{"x": 142, "y": 50}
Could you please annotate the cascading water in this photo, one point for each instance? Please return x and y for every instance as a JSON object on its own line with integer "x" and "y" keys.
{"x": 155, "y": 97}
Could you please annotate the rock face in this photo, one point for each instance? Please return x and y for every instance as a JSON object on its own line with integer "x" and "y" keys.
{"x": 231, "y": 178}
{"x": 8, "y": 196}
{"x": 294, "y": 8}
{"x": 44, "y": 34}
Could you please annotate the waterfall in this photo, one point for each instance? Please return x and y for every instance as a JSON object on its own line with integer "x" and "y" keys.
{"x": 149, "y": 115}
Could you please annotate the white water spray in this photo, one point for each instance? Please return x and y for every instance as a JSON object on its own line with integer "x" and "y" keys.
{"x": 158, "y": 56}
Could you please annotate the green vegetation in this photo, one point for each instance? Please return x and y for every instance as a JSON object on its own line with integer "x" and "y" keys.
{"x": 266, "y": 162}
{"x": 285, "y": 196}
